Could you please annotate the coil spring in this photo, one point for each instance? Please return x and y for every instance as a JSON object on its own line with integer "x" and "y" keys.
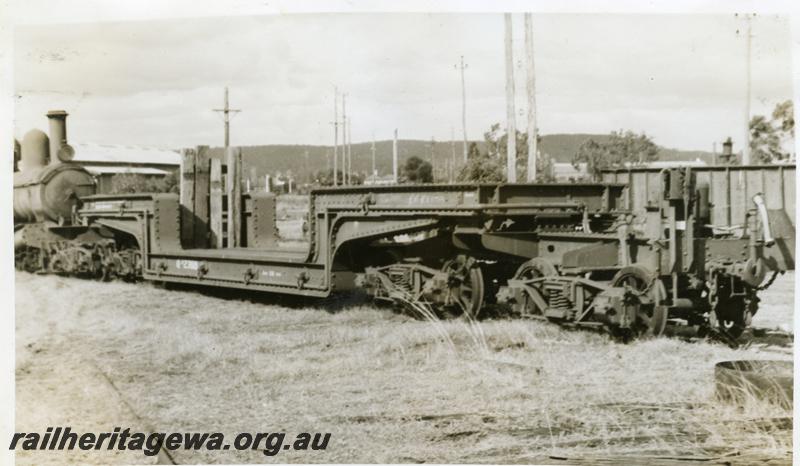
{"x": 557, "y": 298}
{"x": 400, "y": 278}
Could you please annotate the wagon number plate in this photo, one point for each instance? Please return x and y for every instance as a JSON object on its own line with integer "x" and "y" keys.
{"x": 186, "y": 264}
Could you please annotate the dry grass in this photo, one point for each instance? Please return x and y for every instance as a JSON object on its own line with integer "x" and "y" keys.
{"x": 389, "y": 388}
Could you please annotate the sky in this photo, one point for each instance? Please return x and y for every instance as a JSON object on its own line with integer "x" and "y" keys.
{"x": 678, "y": 78}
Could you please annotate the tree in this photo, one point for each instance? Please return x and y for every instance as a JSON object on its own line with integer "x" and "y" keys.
{"x": 595, "y": 155}
{"x": 620, "y": 149}
{"x": 784, "y": 116}
{"x": 772, "y": 140}
{"x": 765, "y": 144}
{"x": 545, "y": 168}
{"x": 169, "y": 184}
{"x": 357, "y": 178}
{"x": 125, "y": 183}
{"x": 481, "y": 168}
{"x": 497, "y": 144}
{"x": 417, "y": 170}
{"x": 473, "y": 150}
{"x": 491, "y": 166}
{"x": 325, "y": 177}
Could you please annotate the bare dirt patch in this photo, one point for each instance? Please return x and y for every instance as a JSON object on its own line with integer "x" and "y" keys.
{"x": 389, "y": 389}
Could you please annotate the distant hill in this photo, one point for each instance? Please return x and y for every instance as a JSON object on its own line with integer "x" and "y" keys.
{"x": 304, "y": 160}
{"x": 562, "y": 147}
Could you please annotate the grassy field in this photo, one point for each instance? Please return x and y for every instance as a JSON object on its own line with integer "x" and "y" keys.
{"x": 390, "y": 389}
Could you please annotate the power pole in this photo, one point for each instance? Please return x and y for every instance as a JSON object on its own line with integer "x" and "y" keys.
{"x": 374, "y": 172}
{"x": 327, "y": 159}
{"x": 226, "y": 116}
{"x": 394, "y": 157}
{"x": 714, "y": 159}
{"x": 511, "y": 132}
{"x": 308, "y": 167}
{"x": 335, "y": 136}
{"x": 746, "y": 147}
{"x": 531, "y": 88}
{"x": 345, "y": 177}
{"x": 451, "y": 174}
{"x": 461, "y": 66}
{"x": 349, "y": 150}
{"x": 433, "y": 159}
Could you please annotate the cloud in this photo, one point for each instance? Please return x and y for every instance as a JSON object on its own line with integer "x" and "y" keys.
{"x": 677, "y": 77}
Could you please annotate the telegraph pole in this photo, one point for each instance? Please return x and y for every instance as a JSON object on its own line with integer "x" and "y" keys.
{"x": 226, "y": 116}
{"x": 714, "y": 159}
{"x": 453, "y": 156}
{"x": 327, "y": 159}
{"x": 433, "y": 159}
{"x": 335, "y": 136}
{"x": 349, "y": 150}
{"x": 306, "y": 166}
{"x": 461, "y": 66}
{"x": 531, "y": 88}
{"x": 394, "y": 157}
{"x": 374, "y": 173}
{"x": 344, "y": 140}
{"x": 511, "y": 132}
{"x": 746, "y": 147}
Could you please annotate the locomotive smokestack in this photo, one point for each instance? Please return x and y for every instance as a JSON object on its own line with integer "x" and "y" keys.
{"x": 60, "y": 151}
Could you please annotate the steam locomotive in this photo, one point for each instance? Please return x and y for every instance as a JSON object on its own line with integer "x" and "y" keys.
{"x": 48, "y": 189}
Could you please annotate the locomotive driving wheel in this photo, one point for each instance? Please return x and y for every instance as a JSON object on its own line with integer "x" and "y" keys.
{"x": 465, "y": 285}
{"x": 27, "y": 259}
{"x": 651, "y": 319}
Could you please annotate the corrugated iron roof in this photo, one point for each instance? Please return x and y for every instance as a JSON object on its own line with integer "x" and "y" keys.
{"x": 116, "y": 169}
{"x": 89, "y": 152}
{"x": 675, "y": 163}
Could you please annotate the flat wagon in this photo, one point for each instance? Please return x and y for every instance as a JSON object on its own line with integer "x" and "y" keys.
{"x": 626, "y": 255}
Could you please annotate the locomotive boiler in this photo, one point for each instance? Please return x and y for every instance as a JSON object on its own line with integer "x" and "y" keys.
{"x": 47, "y": 188}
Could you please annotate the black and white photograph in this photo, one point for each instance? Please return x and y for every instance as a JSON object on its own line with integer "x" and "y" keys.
{"x": 375, "y": 232}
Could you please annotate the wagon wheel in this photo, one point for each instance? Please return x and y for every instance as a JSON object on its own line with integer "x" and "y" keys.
{"x": 535, "y": 268}
{"x": 28, "y": 259}
{"x": 650, "y": 320}
{"x": 111, "y": 269}
{"x": 465, "y": 285}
